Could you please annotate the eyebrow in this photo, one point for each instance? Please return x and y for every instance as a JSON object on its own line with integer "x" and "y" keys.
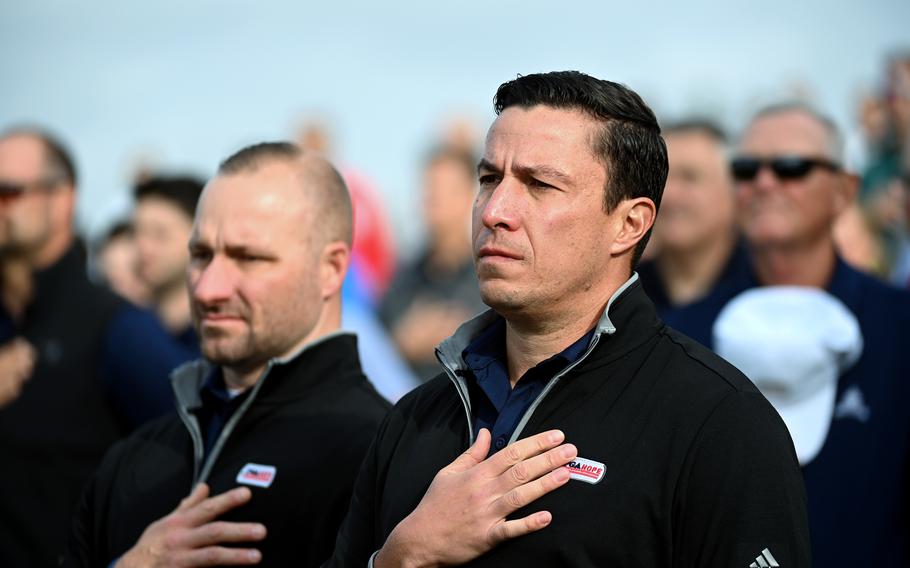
{"x": 529, "y": 171}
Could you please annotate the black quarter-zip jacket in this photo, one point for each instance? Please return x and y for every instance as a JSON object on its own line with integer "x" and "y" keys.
{"x": 699, "y": 472}
{"x": 311, "y": 417}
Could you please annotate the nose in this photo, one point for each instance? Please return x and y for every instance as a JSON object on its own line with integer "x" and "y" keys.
{"x": 765, "y": 179}
{"x": 500, "y": 207}
{"x": 211, "y": 283}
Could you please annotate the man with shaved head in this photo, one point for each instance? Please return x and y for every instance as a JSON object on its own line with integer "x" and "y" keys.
{"x": 276, "y": 419}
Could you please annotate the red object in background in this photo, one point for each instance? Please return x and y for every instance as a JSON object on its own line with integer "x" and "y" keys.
{"x": 374, "y": 246}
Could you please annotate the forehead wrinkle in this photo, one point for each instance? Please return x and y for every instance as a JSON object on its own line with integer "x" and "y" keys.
{"x": 532, "y": 170}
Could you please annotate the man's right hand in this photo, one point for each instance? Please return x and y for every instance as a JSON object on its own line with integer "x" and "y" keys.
{"x": 190, "y": 535}
{"x": 17, "y": 360}
{"x": 463, "y": 513}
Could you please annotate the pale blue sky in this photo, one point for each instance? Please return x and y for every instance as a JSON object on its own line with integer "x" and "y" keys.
{"x": 189, "y": 82}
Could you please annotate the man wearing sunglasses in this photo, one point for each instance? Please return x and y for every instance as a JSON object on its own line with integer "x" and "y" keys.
{"x": 791, "y": 187}
{"x": 56, "y": 415}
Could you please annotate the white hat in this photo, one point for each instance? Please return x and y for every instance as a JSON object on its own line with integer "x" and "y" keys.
{"x": 793, "y": 342}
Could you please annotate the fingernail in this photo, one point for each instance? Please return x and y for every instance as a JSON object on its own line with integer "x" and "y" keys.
{"x": 568, "y": 451}
{"x": 556, "y": 436}
{"x": 259, "y": 531}
{"x": 255, "y": 555}
{"x": 544, "y": 518}
{"x": 561, "y": 474}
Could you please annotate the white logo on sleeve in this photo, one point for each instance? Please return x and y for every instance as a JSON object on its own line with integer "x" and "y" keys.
{"x": 256, "y": 474}
{"x": 765, "y": 560}
{"x": 588, "y": 471}
{"x": 852, "y": 405}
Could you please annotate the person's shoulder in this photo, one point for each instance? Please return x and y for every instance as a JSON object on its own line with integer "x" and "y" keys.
{"x": 158, "y": 432}
{"x": 365, "y": 399}
{"x": 718, "y": 397}
{"x": 881, "y": 308}
{"x": 156, "y": 429}
{"x": 696, "y": 369}
{"x": 883, "y": 293}
{"x": 436, "y": 391}
{"x": 435, "y": 400}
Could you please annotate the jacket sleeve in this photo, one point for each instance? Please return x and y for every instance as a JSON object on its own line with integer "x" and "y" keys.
{"x": 358, "y": 537}
{"x": 741, "y": 495}
{"x": 87, "y": 540}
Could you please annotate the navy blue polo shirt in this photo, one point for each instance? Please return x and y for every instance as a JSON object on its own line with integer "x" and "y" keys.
{"x": 495, "y": 404}
{"x": 218, "y": 405}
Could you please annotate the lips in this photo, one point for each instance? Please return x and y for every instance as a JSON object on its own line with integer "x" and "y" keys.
{"x": 497, "y": 252}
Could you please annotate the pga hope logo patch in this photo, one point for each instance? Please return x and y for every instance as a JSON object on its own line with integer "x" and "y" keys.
{"x": 585, "y": 470}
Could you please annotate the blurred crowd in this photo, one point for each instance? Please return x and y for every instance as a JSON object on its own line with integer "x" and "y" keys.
{"x": 89, "y": 331}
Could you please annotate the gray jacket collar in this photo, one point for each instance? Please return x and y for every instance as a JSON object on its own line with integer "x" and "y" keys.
{"x": 187, "y": 379}
{"x": 449, "y": 351}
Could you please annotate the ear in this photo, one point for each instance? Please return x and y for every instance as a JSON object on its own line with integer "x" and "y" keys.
{"x": 333, "y": 265}
{"x": 637, "y": 217}
{"x": 844, "y": 193}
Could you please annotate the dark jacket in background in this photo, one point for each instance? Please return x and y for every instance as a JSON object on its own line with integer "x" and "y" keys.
{"x": 53, "y": 436}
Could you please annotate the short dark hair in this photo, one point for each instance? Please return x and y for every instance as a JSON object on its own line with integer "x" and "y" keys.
{"x": 629, "y": 143}
{"x": 251, "y": 157}
{"x": 121, "y": 228}
{"x": 182, "y": 191}
{"x": 58, "y": 161}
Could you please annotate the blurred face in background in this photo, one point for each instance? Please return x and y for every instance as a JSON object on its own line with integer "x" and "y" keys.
{"x": 448, "y": 194}
{"x": 162, "y": 231}
{"x": 117, "y": 262}
{"x": 698, "y": 200}
{"x": 34, "y": 202}
{"x": 789, "y": 212}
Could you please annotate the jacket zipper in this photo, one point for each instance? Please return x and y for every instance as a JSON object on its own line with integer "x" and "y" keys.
{"x": 465, "y": 402}
{"x": 196, "y": 433}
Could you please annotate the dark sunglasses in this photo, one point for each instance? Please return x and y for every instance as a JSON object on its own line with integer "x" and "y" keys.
{"x": 746, "y": 168}
{"x": 10, "y": 191}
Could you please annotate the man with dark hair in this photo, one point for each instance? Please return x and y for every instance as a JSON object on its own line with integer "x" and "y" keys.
{"x": 671, "y": 456}
{"x": 699, "y": 259}
{"x": 55, "y": 417}
{"x": 430, "y": 296}
{"x": 277, "y": 416}
{"x": 138, "y": 366}
{"x": 114, "y": 263}
{"x": 162, "y": 223}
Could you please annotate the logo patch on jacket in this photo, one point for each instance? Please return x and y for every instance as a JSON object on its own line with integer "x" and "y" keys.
{"x": 256, "y": 474}
{"x": 588, "y": 471}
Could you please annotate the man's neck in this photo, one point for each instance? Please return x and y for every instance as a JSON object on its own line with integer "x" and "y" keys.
{"x": 242, "y": 379}
{"x": 534, "y": 338}
{"x": 805, "y": 265}
{"x": 689, "y": 274}
{"x": 172, "y": 305}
